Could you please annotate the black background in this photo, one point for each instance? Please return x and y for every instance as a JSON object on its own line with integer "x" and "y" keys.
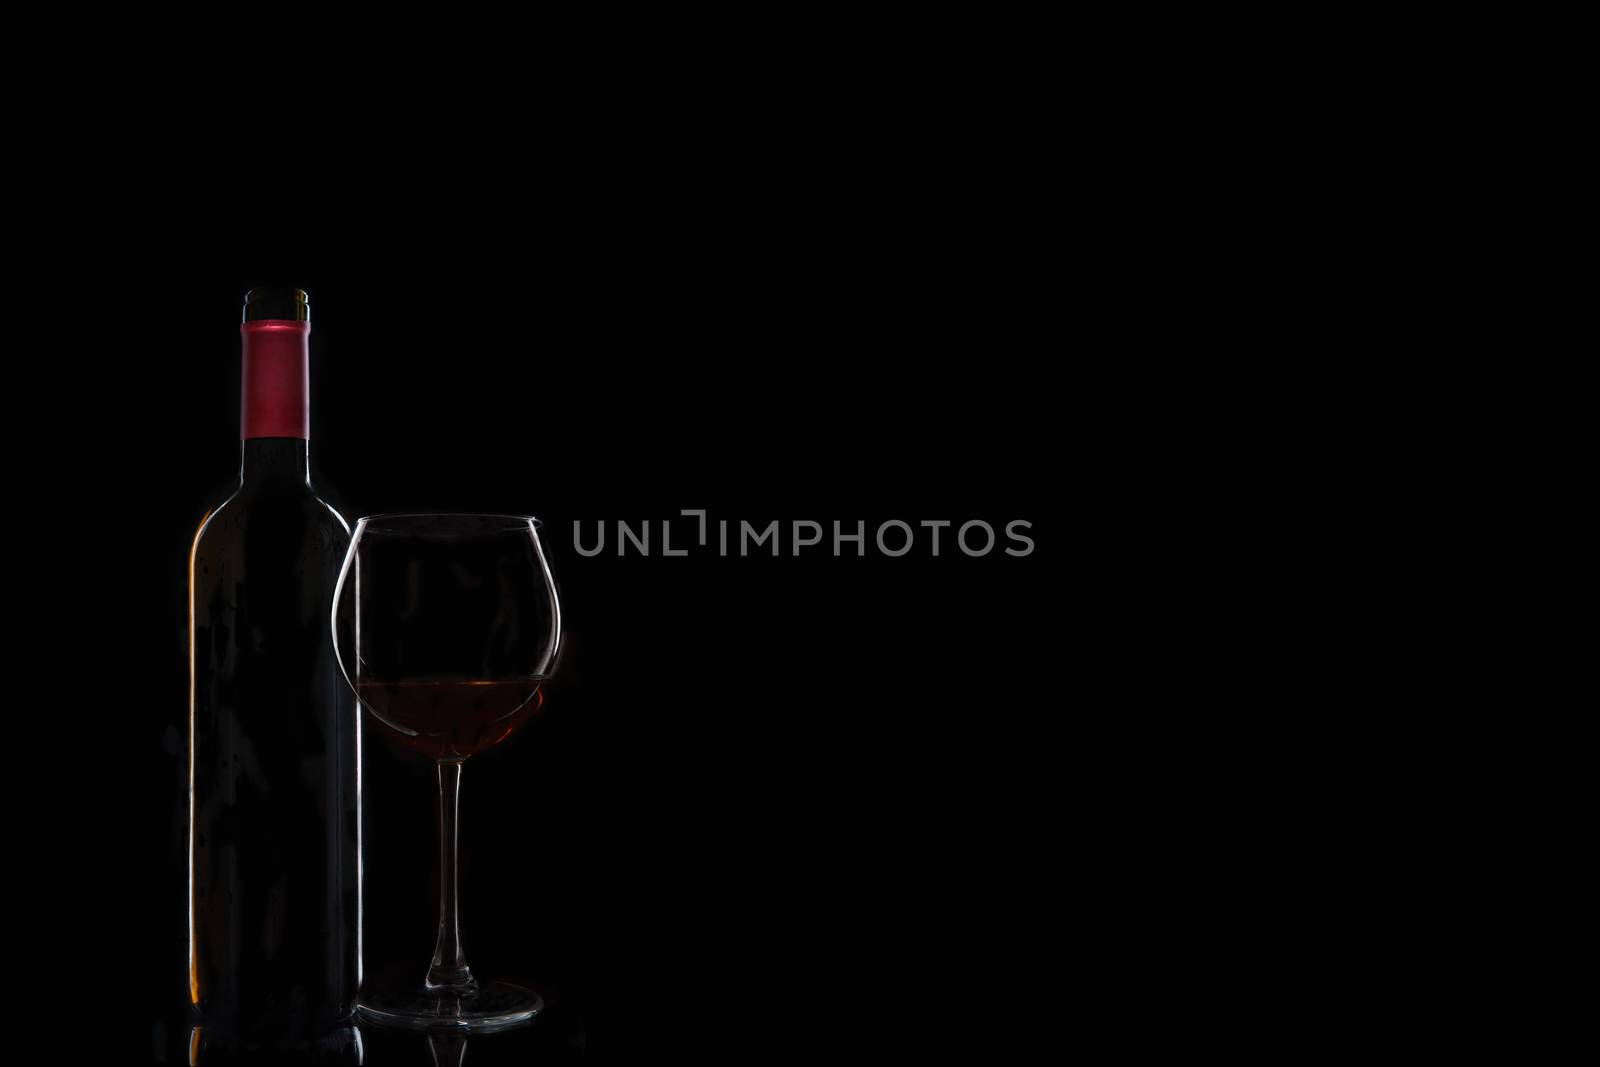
{"x": 801, "y": 803}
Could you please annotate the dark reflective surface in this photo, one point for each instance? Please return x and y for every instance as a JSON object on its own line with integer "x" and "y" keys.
{"x": 557, "y": 1037}
{"x": 540, "y": 1044}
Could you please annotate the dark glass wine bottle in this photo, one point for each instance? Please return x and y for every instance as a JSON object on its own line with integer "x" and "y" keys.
{"x": 274, "y": 751}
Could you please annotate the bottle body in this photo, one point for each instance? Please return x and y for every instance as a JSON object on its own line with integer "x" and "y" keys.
{"x": 274, "y": 767}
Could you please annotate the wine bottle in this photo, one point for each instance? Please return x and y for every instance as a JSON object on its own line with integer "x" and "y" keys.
{"x": 274, "y": 749}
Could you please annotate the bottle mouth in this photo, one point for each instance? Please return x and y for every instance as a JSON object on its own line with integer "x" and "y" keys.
{"x": 277, "y": 302}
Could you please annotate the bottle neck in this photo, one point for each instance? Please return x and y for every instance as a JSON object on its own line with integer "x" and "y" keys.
{"x": 275, "y": 394}
{"x": 274, "y": 459}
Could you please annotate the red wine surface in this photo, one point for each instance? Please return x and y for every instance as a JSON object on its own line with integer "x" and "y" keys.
{"x": 451, "y": 719}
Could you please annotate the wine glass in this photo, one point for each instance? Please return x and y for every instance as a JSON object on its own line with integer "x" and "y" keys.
{"x": 446, "y": 626}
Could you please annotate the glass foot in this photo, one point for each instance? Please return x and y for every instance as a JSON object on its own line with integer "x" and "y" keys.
{"x": 495, "y": 1006}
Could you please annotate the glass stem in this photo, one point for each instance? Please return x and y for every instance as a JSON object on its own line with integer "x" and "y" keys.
{"x": 449, "y": 973}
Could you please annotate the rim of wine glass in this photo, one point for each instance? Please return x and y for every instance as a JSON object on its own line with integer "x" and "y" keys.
{"x": 388, "y": 516}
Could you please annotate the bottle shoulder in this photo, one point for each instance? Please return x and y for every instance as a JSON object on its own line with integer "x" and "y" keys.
{"x": 224, "y": 501}
{"x": 281, "y": 507}
{"x": 334, "y": 515}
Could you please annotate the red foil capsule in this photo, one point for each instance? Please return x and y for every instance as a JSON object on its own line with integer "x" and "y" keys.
{"x": 275, "y": 387}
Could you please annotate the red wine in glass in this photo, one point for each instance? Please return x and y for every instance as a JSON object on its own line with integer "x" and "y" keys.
{"x": 449, "y": 718}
